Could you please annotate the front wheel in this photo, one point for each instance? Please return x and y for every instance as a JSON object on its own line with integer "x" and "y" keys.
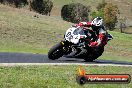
{"x": 56, "y": 52}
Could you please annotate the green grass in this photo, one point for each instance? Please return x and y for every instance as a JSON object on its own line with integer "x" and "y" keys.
{"x": 120, "y": 48}
{"x": 55, "y": 76}
{"x": 20, "y": 31}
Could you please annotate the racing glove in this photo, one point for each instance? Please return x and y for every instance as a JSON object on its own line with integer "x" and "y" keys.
{"x": 85, "y": 24}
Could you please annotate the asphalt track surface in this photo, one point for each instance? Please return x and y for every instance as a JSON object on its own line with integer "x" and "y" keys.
{"x": 25, "y": 58}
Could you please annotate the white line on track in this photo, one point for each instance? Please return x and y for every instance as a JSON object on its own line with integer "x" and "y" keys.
{"x": 38, "y": 64}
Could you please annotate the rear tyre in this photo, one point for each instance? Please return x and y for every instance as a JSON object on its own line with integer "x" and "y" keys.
{"x": 95, "y": 55}
{"x": 56, "y": 52}
{"x": 89, "y": 59}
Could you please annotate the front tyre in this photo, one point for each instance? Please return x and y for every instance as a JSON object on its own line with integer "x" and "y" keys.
{"x": 56, "y": 51}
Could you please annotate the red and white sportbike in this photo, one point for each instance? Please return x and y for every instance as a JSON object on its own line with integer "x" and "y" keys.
{"x": 76, "y": 45}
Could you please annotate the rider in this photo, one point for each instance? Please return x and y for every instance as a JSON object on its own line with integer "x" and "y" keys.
{"x": 99, "y": 29}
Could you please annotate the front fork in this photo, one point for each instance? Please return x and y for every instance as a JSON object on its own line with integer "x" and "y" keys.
{"x": 66, "y": 47}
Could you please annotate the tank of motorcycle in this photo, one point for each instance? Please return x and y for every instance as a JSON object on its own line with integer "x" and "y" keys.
{"x": 73, "y": 35}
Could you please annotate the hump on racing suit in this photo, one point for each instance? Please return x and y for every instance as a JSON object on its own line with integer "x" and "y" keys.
{"x": 99, "y": 29}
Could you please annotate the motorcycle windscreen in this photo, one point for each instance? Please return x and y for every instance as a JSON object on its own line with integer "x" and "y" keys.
{"x": 72, "y": 35}
{"x": 75, "y": 39}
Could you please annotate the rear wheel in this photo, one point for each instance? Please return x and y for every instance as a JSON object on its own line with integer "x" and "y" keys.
{"x": 56, "y": 52}
{"x": 91, "y": 57}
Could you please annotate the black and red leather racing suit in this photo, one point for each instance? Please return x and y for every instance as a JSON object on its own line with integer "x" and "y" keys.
{"x": 100, "y": 32}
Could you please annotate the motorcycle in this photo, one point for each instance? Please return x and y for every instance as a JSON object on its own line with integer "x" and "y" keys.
{"x": 74, "y": 45}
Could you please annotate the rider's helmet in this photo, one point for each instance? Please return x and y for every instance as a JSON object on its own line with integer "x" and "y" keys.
{"x": 97, "y": 23}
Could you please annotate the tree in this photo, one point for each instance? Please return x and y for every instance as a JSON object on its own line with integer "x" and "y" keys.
{"x": 41, "y": 6}
{"x": 75, "y": 12}
{"x": 100, "y": 10}
{"x": 14, "y": 3}
{"x": 109, "y": 12}
{"x": 99, "y": 13}
{"x": 110, "y": 15}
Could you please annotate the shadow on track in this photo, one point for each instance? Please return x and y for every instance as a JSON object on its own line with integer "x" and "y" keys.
{"x": 40, "y": 58}
{"x": 96, "y": 61}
